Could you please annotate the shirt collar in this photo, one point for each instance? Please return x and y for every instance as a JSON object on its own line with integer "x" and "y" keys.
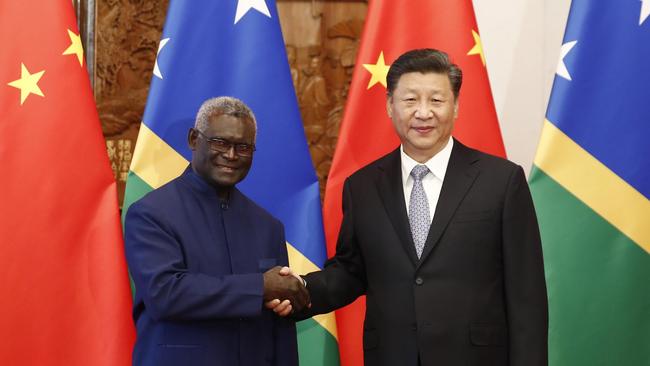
{"x": 200, "y": 184}
{"x": 437, "y": 164}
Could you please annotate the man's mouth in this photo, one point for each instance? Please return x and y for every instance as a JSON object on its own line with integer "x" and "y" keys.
{"x": 423, "y": 129}
{"x": 227, "y": 169}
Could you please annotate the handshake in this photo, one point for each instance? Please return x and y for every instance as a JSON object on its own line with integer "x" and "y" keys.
{"x": 284, "y": 291}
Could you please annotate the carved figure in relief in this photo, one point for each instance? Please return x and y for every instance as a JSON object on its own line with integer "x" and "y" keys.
{"x": 112, "y": 156}
{"x": 314, "y": 101}
{"x": 340, "y": 46}
{"x": 110, "y": 148}
{"x": 292, "y": 55}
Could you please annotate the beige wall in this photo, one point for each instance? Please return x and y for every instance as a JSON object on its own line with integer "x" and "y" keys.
{"x": 521, "y": 41}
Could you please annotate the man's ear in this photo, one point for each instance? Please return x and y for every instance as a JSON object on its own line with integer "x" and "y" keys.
{"x": 456, "y": 109}
{"x": 389, "y": 107}
{"x": 191, "y": 138}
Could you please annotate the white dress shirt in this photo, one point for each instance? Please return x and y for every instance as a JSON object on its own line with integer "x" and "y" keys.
{"x": 431, "y": 182}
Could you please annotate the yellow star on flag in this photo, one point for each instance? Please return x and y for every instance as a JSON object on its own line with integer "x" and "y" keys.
{"x": 378, "y": 71}
{"x": 28, "y": 83}
{"x": 75, "y": 48}
{"x": 478, "y": 47}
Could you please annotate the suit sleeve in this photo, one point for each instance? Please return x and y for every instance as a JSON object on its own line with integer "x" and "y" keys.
{"x": 163, "y": 282}
{"x": 525, "y": 286}
{"x": 342, "y": 279}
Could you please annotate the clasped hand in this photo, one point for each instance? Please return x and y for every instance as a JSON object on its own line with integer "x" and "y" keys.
{"x": 284, "y": 291}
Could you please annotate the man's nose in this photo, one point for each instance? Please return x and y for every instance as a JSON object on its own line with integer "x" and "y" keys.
{"x": 423, "y": 110}
{"x": 230, "y": 153}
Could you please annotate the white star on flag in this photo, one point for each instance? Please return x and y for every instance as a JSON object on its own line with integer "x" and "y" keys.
{"x": 645, "y": 11}
{"x": 243, "y": 6}
{"x": 156, "y": 69}
{"x": 561, "y": 66}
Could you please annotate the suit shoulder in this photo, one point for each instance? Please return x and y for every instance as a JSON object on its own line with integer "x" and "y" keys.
{"x": 154, "y": 208}
{"x": 258, "y": 211}
{"x": 159, "y": 198}
{"x": 373, "y": 168}
{"x": 493, "y": 163}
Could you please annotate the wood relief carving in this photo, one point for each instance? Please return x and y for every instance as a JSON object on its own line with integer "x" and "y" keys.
{"x": 322, "y": 85}
{"x": 322, "y": 40}
{"x": 127, "y": 35}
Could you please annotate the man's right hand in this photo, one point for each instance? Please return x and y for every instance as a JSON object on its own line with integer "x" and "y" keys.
{"x": 281, "y": 286}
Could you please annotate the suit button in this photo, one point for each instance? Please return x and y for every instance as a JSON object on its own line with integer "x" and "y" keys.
{"x": 419, "y": 281}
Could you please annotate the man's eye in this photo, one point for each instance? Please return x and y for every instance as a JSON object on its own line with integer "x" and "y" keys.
{"x": 242, "y": 147}
{"x": 220, "y": 143}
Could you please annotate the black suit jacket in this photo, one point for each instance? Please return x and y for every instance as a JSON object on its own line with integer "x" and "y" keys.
{"x": 477, "y": 296}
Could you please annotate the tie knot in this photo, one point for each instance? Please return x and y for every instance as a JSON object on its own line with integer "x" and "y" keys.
{"x": 419, "y": 171}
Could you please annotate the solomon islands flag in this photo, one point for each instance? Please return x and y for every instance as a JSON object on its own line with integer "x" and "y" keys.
{"x": 591, "y": 186}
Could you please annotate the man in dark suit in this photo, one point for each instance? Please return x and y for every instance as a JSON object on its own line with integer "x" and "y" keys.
{"x": 442, "y": 239}
{"x": 204, "y": 257}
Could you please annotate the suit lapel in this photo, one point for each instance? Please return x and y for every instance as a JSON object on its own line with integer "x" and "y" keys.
{"x": 459, "y": 178}
{"x": 391, "y": 192}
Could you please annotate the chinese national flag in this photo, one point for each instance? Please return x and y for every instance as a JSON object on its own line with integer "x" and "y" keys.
{"x": 391, "y": 28}
{"x": 64, "y": 288}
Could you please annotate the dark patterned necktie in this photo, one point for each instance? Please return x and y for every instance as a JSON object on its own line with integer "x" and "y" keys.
{"x": 419, "y": 209}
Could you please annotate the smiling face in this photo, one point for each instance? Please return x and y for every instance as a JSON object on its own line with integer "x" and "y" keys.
{"x": 222, "y": 170}
{"x": 423, "y": 110}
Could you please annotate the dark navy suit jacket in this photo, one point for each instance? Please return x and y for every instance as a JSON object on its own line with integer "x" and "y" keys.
{"x": 197, "y": 265}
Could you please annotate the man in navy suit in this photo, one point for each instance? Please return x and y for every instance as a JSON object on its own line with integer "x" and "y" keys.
{"x": 204, "y": 257}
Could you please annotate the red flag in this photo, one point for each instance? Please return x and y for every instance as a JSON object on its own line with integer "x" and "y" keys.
{"x": 65, "y": 296}
{"x": 392, "y": 28}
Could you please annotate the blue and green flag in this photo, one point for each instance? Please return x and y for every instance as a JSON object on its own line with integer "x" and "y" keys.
{"x": 216, "y": 48}
{"x": 591, "y": 186}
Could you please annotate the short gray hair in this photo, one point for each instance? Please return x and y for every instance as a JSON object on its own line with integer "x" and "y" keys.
{"x": 219, "y": 106}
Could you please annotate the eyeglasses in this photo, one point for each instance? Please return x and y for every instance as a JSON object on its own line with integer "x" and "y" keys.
{"x": 223, "y": 146}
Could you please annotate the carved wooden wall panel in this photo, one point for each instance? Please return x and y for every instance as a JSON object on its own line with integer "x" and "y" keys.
{"x": 126, "y": 35}
{"x": 322, "y": 39}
